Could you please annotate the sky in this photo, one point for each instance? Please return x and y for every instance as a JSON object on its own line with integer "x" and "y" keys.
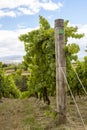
{"x": 21, "y": 16}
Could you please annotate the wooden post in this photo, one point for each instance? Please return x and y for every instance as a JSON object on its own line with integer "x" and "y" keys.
{"x": 60, "y": 70}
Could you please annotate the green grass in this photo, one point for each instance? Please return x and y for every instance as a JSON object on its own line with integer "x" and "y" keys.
{"x": 29, "y": 121}
{"x": 32, "y": 114}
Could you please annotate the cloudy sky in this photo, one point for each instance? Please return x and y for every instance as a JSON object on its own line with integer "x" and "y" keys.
{"x": 21, "y": 16}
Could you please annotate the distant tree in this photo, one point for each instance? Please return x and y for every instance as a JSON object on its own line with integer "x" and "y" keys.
{"x": 71, "y": 50}
{"x": 81, "y": 69}
{"x": 4, "y": 65}
{"x": 1, "y": 82}
{"x": 10, "y": 89}
{"x": 20, "y": 80}
{"x": 84, "y": 80}
{"x": 7, "y": 86}
{"x": 0, "y": 64}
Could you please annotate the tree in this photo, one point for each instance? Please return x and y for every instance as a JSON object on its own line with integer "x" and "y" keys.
{"x": 0, "y": 64}
{"x": 86, "y": 49}
{"x": 20, "y": 80}
{"x": 81, "y": 69}
{"x": 85, "y": 72}
{"x": 1, "y": 81}
{"x": 10, "y": 89}
{"x": 7, "y": 86}
{"x": 40, "y": 56}
{"x": 39, "y": 45}
{"x": 71, "y": 50}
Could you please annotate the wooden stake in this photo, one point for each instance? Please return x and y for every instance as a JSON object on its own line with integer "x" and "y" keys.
{"x": 60, "y": 68}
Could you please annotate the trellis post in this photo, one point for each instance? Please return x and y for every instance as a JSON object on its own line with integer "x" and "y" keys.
{"x": 60, "y": 70}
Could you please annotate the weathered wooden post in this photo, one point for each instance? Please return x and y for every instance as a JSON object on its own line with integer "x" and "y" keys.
{"x": 60, "y": 70}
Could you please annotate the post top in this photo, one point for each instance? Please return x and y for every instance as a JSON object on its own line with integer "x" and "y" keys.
{"x": 59, "y": 23}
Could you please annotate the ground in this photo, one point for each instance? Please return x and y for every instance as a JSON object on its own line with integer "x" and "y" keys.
{"x": 33, "y": 114}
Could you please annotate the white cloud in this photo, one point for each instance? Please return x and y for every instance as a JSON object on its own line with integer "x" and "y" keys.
{"x": 21, "y": 26}
{"x": 1, "y": 25}
{"x": 81, "y": 42}
{"x": 27, "y": 11}
{"x": 10, "y": 45}
{"x": 7, "y": 13}
{"x": 51, "y": 5}
{"x": 20, "y": 7}
{"x": 9, "y": 42}
{"x": 15, "y": 3}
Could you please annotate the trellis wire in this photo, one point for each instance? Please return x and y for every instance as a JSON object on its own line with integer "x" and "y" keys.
{"x": 71, "y": 93}
{"x": 74, "y": 100}
{"x": 79, "y": 79}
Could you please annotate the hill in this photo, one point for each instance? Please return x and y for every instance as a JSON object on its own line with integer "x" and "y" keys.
{"x": 12, "y": 59}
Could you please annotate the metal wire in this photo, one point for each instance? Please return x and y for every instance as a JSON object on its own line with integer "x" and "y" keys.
{"x": 79, "y": 79}
{"x": 71, "y": 92}
{"x": 74, "y": 100}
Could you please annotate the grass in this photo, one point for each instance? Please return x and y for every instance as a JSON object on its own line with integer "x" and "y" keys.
{"x": 32, "y": 114}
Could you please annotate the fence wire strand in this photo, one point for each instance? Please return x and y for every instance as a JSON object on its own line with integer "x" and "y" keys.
{"x": 74, "y": 100}
{"x": 71, "y": 92}
{"x": 79, "y": 79}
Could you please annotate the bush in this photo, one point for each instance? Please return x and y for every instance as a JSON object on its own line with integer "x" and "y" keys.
{"x": 11, "y": 91}
{"x": 1, "y": 82}
{"x": 25, "y": 94}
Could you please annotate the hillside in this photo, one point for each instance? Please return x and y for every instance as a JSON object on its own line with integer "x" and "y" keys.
{"x": 32, "y": 114}
{"x": 11, "y": 59}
